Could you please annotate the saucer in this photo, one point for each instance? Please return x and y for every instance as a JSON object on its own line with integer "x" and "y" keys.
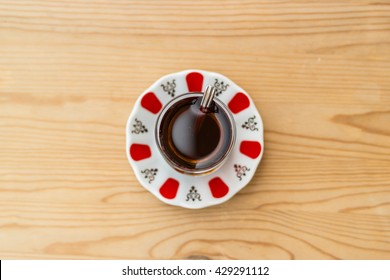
{"x": 189, "y": 191}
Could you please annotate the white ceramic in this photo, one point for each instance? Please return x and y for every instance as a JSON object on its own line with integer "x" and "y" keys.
{"x": 193, "y": 191}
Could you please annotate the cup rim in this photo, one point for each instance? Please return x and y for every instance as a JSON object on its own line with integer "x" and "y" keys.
{"x": 214, "y": 166}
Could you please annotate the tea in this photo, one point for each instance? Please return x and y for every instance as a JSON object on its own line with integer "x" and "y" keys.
{"x": 194, "y": 138}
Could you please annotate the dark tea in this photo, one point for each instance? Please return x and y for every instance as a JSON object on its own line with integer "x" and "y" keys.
{"x": 193, "y": 138}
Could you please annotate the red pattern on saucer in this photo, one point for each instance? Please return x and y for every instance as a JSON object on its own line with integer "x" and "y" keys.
{"x": 194, "y": 82}
{"x": 239, "y": 102}
{"x": 169, "y": 188}
{"x": 218, "y": 187}
{"x": 151, "y": 103}
{"x": 251, "y": 149}
{"x": 140, "y": 152}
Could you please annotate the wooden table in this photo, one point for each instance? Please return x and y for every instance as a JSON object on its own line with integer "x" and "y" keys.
{"x": 318, "y": 71}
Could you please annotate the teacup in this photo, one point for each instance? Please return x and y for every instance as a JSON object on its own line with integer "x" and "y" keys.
{"x": 195, "y": 132}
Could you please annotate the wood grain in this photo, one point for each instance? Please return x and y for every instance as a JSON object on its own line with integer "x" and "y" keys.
{"x": 318, "y": 71}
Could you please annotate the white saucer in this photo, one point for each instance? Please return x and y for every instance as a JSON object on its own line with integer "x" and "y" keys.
{"x": 188, "y": 191}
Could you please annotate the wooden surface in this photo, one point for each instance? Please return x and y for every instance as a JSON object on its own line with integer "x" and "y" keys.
{"x": 318, "y": 71}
